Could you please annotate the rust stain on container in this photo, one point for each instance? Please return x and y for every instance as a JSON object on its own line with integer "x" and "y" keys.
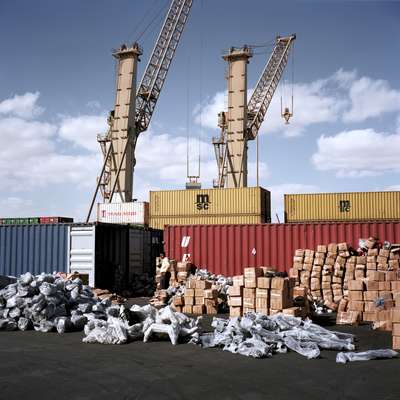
{"x": 209, "y": 206}
{"x": 353, "y": 206}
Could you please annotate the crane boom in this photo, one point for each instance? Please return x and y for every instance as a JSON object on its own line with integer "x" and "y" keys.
{"x": 159, "y": 62}
{"x": 266, "y": 85}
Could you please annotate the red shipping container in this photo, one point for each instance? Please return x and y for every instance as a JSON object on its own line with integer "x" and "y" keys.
{"x": 227, "y": 249}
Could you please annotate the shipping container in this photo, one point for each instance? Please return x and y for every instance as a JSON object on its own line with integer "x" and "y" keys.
{"x": 227, "y": 249}
{"x": 136, "y": 213}
{"x": 55, "y": 220}
{"x": 108, "y": 255}
{"x": 209, "y": 206}
{"x": 33, "y": 248}
{"x": 355, "y": 206}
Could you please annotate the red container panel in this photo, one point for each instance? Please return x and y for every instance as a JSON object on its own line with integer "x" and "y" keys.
{"x": 227, "y": 249}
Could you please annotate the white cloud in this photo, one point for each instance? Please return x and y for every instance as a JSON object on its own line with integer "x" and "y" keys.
{"x": 358, "y": 153}
{"x": 392, "y": 188}
{"x": 277, "y": 196}
{"x": 23, "y": 106}
{"x": 93, "y": 104}
{"x": 341, "y": 96}
{"x": 371, "y": 98}
{"x": 83, "y": 130}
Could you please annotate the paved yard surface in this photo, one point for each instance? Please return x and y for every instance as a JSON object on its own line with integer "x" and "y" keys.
{"x": 51, "y": 366}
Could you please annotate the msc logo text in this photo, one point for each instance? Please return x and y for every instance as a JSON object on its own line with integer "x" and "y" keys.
{"x": 202, "y": 202}
{"x": 344, "y": 205}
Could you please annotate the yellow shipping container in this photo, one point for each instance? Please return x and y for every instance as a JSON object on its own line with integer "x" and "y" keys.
{"x": 354, "y": 206}
{"x": 209, "y": 206}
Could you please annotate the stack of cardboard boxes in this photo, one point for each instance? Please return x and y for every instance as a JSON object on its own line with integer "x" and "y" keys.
{"x": 257, "y": 290}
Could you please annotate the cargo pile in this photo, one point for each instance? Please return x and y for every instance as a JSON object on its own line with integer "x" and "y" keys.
{"x": 256, "y": 335}
{"x": 261, "y": 290}
{"x": 361, "y": 285}
{"x": 193, "y": 291}
{"x": 49, "y": 303}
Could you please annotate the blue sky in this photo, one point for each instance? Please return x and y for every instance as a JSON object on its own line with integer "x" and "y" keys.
{"x": 57, "y": 85}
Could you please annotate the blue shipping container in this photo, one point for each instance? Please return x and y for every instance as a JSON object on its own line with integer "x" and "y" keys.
{"x": 33, "y": 248}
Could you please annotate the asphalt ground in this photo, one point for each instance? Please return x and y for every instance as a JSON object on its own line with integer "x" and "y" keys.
{"x": 37, "y": 365}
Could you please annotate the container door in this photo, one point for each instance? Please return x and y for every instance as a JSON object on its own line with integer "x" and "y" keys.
{"x": 82, "y": 252}
{"x": 136, "y": 252}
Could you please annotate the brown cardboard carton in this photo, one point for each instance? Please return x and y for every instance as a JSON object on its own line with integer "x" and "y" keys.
{"x": 189, "y": 301}
{"x": 391, "y": 276}
{"x": 307, "y": 267}
{"x": 263, "y": 282}
{"x": 355, "y": 305}
{"x": 178, "y": 301}
{"x": 191, "y": 284}
{"x": 235, "y": 301}
{"x": 299, "y": 291}
{"x": 278, "y": 283}
{"x": 199, "y": 292}
{"x": 262, "y": 293}
{"x": 331, "y": 305}
{"x": 361, "y": 260}
{"x": 396, "y": 315}
{"x": 332, "y": 248}
{"x": 395, "y": 286}
{"x": 200, "y": 284}
{"x": 235, "y": 311}
{"x": 355, "y": 295}
{"x": 264, "y": 311}
{"x": 235, "y": 290}
{"x": 371, "y": 295}
{"x": 249, "y": 302}
{"x": 294, "y": 311}
{"x": 322, "y": 248}
{"x": 189, "y": 292}
{"x": 396, "y": 329}
{"x": 210, "y": 293}
{"x": 372, "y": 266}
{"x": 375, "y": 275}
{"x": 280, "y": 299}
{"x": 373, "y": 252}
{"x": 384, "y": 285}
{"x": 384, "y": 253}
{"x": 348, "y": 318}
{"x": 372, "y": 285}
{"x": 238, "y": 280}
{"x": 198, "y": 301}
{"x": 394, "y": 264}
{"x": 250, "y": 282}
{"x": 370, "y": 306}
{"x": 309, "y": 253}
{"x": 249, "y": 292}
{"x": 355, "y": 285}
{"x": 359, "y": 274}
{"x": 299, "y": 253}
{"x": 384, "y": 315}
{"x": 199, "y": 309}
{"x": 396, "y": 342}
{"x": 210, "y": 302}
{"x": 188, "y": 309}
{"x": 252, "y": 272}
{"x": 262, "y": 303}
{"x": 212, "y": 310}
{"x": 369, "y": 316}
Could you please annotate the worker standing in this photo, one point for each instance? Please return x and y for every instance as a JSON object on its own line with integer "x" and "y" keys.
{"x": 165, "y": 272}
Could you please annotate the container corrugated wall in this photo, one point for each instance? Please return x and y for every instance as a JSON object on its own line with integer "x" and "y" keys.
{"x": 227, "y": 249}
{"x": 356, "y": 206}
{"x": 209, "y": 206}
{"x": 33, "y": 248}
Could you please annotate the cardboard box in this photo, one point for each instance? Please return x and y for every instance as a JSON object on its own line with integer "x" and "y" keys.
{"x": 299, "y": 291}
{"x": 210, "y": 293}
{"x": 200, "y": 284}
{"x": 235, "y": 301}
{"x": 370, "y": 295}
{"x": 384, "y": 315}
{"x": 212, "y": 310}
{"x": 249, "y": 302}
{"x": 249, "y": 292}
{"x": 199, "y": 292}
{"x": 373, "y": 252}
{"x": 264, "y": 311}
{"x": 299, "y": 253}
{"x": 263, "y": 282}
{"x": 198, "y": 301}
{"x": 262, "y": 293}
{"x": 262, "y": 303}
{"x": 375, "y": 275}
{"x": 348, "y": 318}
{"x": 189, "y": 292}
{"x": 191, "y": 284}
{"x": 355, "y": 305}
{"x": 370, "y": 306}
{"x": 396, "y": 329}
{"x": 238, "y": 280}
{"x": 278, "y": 283}
{"x": 394, "y": 264}
{"x": 355, "y": 285}
{"x": 372, "y": 266}
{"x": 252, "y": 272}
{"x": 391, "y": 276}
{"x": 178, "y": 301}
{"x": 384, "y": 285}
{"x": 210, "y": 302}
{"x": 235, "y": 291}
{"x": 322, "y": 248}
{"x": 250, "y": 282}
{"x": 396, "y": 315}
{"x": 294, "y": 311}
{"x": 371, "y": 285}
{"x": 199, "y": 309}
{"x": 369, "y": 316}
{"x": 356, "y": 295}
{"x": 361, "y": 260}
{"x": 280, "y": 299}
{"x": 235, "y": 311}
{"x": 395, "y": 286}
{"x": 332, "y": 248}
{"x": 189, "y": 300}
{"x": 187, "y": 309}
{"x": 396, "y": 342}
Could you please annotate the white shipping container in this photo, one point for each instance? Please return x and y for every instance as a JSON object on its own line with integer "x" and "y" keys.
{"x": 123, "y": 213}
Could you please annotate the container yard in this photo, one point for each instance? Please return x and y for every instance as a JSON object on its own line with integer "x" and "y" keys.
{"x": 216, "y": 197}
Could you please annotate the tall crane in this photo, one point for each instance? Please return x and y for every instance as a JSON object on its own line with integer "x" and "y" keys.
{"x": 243, "y": 120}
{"x": 134, "y": 108}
